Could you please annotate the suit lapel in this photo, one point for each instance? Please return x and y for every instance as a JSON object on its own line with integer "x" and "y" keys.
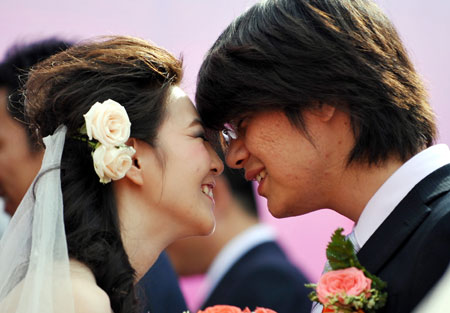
{"x": 396, "y": 229}
{"x": 402, "y": 222}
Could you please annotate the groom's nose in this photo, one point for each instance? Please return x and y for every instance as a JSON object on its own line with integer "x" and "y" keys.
{"x": 237, "y": 153}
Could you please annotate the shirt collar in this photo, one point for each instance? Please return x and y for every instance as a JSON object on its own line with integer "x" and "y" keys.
{"x": 396, "y": 187}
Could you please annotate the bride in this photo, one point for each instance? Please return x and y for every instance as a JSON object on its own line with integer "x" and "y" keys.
{"x": 126, "y": 172}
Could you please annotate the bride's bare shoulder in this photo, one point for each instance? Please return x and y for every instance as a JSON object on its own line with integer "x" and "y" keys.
{"x": 88, "y": 296}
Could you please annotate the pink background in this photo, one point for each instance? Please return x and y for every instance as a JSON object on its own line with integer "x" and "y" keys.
{"x": 189, "y": 28}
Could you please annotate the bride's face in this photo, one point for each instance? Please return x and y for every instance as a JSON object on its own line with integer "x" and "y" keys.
{"x": 180, "y": 185}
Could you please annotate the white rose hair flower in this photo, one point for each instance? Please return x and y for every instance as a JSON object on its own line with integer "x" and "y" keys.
{"x": 111, "y": 163}
{"x": 108, "y": 123}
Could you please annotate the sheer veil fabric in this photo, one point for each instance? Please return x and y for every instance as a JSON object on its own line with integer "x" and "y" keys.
{"x": 34, "y": 262}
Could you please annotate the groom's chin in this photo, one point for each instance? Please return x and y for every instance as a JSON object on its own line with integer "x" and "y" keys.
{"x": 279, "y": 210}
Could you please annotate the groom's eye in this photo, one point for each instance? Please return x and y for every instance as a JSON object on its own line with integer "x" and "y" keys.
{"x": 229, "y": 132}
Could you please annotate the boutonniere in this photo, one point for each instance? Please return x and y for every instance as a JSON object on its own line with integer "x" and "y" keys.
{"x": 348, "y": 287}
{"x": 232, "y": 309}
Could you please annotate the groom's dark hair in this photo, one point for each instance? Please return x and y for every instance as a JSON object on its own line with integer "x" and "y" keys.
{"x": 291, "y": 55}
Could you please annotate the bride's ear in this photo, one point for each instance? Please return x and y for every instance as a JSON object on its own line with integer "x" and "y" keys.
{"x": 135, "y": 173}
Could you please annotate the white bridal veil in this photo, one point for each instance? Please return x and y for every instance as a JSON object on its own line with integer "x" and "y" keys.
{"x": 34, "y": 262}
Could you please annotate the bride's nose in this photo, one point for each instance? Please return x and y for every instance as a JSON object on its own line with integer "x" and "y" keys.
{"x": 216, "y": 162}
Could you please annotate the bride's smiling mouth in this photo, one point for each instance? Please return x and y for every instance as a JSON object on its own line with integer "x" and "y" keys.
{"x": 207, "y": 189}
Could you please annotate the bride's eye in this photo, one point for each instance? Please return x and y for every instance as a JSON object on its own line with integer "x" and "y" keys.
{"x": 202, "y": 135}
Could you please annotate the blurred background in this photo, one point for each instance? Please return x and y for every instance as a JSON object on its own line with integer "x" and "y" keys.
{"x": 188, "y": 28}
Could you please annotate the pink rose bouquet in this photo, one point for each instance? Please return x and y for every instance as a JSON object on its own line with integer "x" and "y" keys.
{"x": 233, "y": 309}
{"x": 348, "y": 287}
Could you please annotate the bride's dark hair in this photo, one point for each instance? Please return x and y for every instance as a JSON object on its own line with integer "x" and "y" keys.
{"x": 59, "y": 91}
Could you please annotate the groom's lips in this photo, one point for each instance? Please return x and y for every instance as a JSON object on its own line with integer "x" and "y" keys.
{"x": 260, "y": 186}
{"x": 251, "y": 174}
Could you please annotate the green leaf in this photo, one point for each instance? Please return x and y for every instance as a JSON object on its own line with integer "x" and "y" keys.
{"x": 340, "y": 252}
{"x": 313, "y": 296}
{"x": 83, "y": 129}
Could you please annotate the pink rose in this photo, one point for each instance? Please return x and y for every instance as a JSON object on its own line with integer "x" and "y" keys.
{"x": 258, "y": 310}
{"x": 350, "y": 281}
{"x": 233, "y": 309}
{"x": 221, "y": 309}
{"x": 264, "y": 310}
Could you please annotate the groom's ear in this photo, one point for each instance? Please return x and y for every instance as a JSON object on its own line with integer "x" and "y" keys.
{"x": 324, "y": 112}
{"x": 135, "y": 173}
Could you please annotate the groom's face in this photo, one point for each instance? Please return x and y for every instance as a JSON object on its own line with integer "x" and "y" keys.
{"x": 296, "y": 172}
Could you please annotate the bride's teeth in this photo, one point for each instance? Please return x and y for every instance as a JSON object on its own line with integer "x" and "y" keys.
{"x": 208, "y": 191}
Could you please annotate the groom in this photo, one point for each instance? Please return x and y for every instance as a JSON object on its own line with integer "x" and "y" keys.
{"x": 319, "y": 102}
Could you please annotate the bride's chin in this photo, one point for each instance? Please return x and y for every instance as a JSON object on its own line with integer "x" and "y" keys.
{"x": 212, "y": 229}
{"x": 206, "y": 227}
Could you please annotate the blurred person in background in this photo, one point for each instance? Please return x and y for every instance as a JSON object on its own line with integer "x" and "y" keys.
{"x": 20, "y": 157}
{"x": 243, "y": 263}
{"x": 438, "y": 299}
{"x": 4, "y": 218}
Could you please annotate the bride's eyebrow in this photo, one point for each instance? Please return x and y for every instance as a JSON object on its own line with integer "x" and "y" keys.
{"x": 195, "y": 122}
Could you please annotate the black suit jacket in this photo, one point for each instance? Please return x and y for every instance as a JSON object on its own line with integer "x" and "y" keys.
{"x": 411, "y": 248}
{"x": 158, "y": 290}
{"x": 263, "y": 277}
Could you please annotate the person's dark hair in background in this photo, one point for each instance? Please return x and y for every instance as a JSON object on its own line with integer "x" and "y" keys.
{"x": 20, "y": 156}
{"x": 241, "y": 189}
{"x": 13, "y": 73}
